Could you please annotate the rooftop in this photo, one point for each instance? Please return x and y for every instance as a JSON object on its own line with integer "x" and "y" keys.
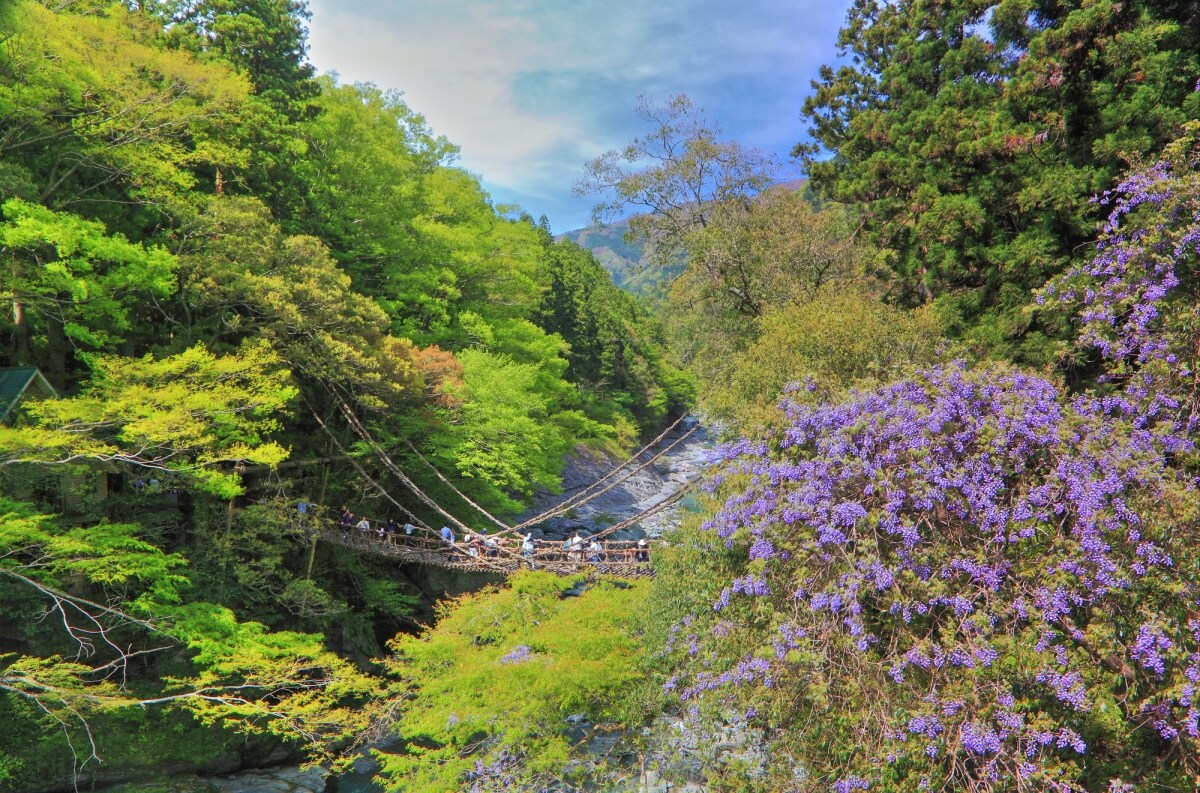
{"x": 16, "y": 382}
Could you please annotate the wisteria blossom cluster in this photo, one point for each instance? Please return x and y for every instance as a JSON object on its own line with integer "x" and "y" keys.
{"x": 973, "y": 579}
{"x": 1136, "y": 301}
{"x": 519, "y": 654}
{"x": 500, "y": 772}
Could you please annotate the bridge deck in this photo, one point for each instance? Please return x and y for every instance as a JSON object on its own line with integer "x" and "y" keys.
{"x": 619, "y": 559}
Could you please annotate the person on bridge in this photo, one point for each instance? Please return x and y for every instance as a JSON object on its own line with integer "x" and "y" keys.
{"x": 345, "y": 520}
{"x": 391, "y": 530}
{"x": 643, "y": 551}
{"x": 595, "y": 551}
{"x": 527, "y": 546}
{"x": 364, "y": 526}
{"x": 447, "y": 535}
{"x": 408, "y": 530}
{"x": 574, "y": 548}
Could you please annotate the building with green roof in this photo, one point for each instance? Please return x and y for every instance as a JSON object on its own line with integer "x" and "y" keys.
{"x": 22, "y": 382}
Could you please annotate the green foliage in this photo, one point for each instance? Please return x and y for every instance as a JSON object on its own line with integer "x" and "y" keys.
{"x": 262, "y": 38}
{"x": 773, "y": 251}
{"x": 836, "y": 340}
{"x": 108, "y": 555}
{"x": 974, "y": 135}
{"x": 500, "y": 433}
{"x": 71, "y": 284}
{"x": 364, "y": 171}
{"x": 501, "y": 672}
{"x": 750, "y": 267}
{"x": 193, "y": 414}
{"x": 614, "y": 349}
{"x": 279, "y": 683}
{"x": 247, "y": 564}
{"x": 94, "y": 111}
{"x": 207, "y": 251}
{"x": 127, "y": 600}
{"x": 246, "y": 279}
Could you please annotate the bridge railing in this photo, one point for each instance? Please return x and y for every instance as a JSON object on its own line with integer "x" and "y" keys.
{"x": 495, "y": 551}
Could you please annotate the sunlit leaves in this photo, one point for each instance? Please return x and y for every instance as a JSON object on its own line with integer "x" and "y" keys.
{"x": 95, "y": 105}
{"x": 68, "y": 273}
{"x": 495, "y": 681}
{"x": 194, "y": 413}
{"x": 499, "y": 432}
{"x": 251, "y": 280}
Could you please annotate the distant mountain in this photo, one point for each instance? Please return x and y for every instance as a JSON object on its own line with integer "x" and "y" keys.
{"x": 629, "y": 262}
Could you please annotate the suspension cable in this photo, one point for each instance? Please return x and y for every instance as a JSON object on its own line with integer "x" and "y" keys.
{"x": 580, "y": 499}
{"x": 504, "y": 526}
{"x": 362, "y": 472}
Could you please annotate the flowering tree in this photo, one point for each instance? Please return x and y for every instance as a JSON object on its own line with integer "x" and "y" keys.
{"x": 973, "y": 579}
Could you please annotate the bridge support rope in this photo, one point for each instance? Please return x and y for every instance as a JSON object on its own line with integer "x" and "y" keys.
{"x": 503, "y": 559}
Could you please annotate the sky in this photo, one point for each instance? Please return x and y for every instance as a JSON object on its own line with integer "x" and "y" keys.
{"x": 530, "y": 90}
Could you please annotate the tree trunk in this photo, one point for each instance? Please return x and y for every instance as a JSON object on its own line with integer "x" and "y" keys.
{"x": 22, "y": 353}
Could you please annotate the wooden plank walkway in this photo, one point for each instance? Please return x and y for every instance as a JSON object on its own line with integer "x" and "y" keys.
{"x": 617, "y": 558}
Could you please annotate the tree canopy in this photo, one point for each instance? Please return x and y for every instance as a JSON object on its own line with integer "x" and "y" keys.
{"x": 235, "y": 274}
{"x": 973, "y": 137}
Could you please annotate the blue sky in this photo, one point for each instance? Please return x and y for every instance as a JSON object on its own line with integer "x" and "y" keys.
{"x": 531, "y": 89}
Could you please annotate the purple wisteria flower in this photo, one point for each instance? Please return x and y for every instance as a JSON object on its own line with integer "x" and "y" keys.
{"x": 994, "y": 557}
{"x": 519, "y": 654}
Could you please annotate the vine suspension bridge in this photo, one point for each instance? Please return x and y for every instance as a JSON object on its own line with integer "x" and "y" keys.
{"x": 505, "y": 550}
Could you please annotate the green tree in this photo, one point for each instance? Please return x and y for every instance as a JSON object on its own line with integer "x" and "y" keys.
{"x": 147, "y": 128}
{"x": 192, "y": 414}
{"x": 615, "y": 349}
{"x": 973, "y": 135}
{"x": 414, "y": 233}
{"x": 368, "y": 155}
{"x": 501, "y": 433}
{"x": 750, "y": 274}
{"x": 244, "y": 278}
{"x": 72, "y": 288}
{"x": 493, "y": 683}
{"x": 119, "y": 600}
{"x": 837, "y": 340}
{"x": 195, "y": 420}
{"x": 265, "y": 39}
{"x": 777, "y": 249}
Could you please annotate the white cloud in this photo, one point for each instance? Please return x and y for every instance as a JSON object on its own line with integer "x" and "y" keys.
{"x": 531, "y": 89}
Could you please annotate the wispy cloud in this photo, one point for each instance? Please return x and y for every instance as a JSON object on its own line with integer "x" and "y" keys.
{"x": 530, "y": 90}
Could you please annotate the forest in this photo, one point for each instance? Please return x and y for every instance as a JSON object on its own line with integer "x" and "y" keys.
{"x": 949, "y": 539}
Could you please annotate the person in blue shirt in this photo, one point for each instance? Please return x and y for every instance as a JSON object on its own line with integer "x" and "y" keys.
{"x": 447, "y": 535}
